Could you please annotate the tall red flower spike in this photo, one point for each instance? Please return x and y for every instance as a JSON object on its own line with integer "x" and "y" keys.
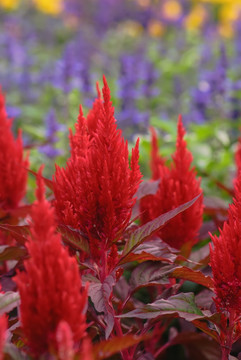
{"x": 225, "y": 262}
{"x": 50, "y": 289}
{"x": 13, "y": 174}
{"x": 178, "y": 185}
{"x": 225, "y": 258}
{"x": 94, "y": 193}
{"x": 3, "y": 329}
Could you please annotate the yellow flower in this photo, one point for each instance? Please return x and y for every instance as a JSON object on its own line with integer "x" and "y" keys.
{"x": 155, "y": 28}
{"x": 230, "y": 12}
{"x": 9, "y": 4}
{"x": 171, "y": 10}
{"x": 52, "y": 7}
{"x": 196, "y": 17}
{"x": 226, "y": 30}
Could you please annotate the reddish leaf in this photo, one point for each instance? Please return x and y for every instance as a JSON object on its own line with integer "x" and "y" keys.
{"x": 100, "y": 295}
{"x": 146, "y": 231}
{"x": 11, "y": 253}
{"x": 154, "y": 250}
{"x": 150, "y": 273}
{"x": 107, "y": 348}
{"x": 74, "y": 238}
{"x": 8, "y": 301}
{"x": 21, "y": 211}
{"x": 198, "y": 346}
{"x": 19, "y": 233}
{"x": 140, "y": 258}
{"x": 206, "y": 329}
{"x": 147, "y": 188}
{"x": 48, "y": 183}
{"x": 14, "y": 353}
{"x": 195, "y": 276}
{"x": 182, "y": 305}
{"x": 213, "y": 205}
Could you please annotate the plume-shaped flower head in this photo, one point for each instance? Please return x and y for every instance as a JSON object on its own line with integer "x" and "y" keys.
{"x": 3, "y": 329}
{"x": 225, "y": 258}
{"x": 94, "y": 193}
{"x": 13, "y": 174}
{"x": 178, "y": 185}
{"x": 50, "y": 289}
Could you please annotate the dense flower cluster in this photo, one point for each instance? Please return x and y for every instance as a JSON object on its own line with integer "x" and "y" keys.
{"x": 178, "y": 184}
{"x": 225, "y": 258}
{"x": 94, "y": 193}
{"x": 3, "y": 329}
{"x": 50, "y": 289}
{"x": 13, "y": 174}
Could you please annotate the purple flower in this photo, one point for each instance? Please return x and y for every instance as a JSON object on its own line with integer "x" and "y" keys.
{"x": 52, "y": 127}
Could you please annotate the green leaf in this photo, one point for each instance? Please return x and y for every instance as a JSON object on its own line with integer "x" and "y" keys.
{"x": 182, "y": 305}
{"x": 150, "y": 228}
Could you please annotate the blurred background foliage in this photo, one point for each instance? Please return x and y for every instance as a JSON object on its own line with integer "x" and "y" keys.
{"x": 161, "y": 58}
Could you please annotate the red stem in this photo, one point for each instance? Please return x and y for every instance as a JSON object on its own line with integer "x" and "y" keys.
{"x": 226, "y": 346}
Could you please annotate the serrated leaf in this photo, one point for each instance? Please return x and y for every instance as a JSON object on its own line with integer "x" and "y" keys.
{"x": 11, "y": 252}
{"x": 19, "y": 232}
{"x": 8, "y": 301}
{"x": 110, "y": 347}
{"x": 150, "y": 273}
{"x": 73, "y": 237}
{"x": 147, "y": 188}
{"x": 100, "y": 294}
{"x": 150, "y": 228}
{"x": 196, "y": 276}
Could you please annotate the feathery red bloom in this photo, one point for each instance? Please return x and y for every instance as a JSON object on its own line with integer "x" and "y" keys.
{"x": 225, "y": 258}
{"x": 178, "y": 185}
{"x": 3, "y": 329}
{"x": 13, "y": 175}
{"x": 94, "y": 193}
{"x": 50, "y": 289}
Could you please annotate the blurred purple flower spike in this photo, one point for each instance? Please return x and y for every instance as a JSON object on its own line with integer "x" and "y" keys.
{"x": 52, "y": 127}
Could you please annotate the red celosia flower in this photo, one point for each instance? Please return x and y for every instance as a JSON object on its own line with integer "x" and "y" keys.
{"x": 3, "y": 329}
{"x": 225, "y": 258}
{"x": 94, "y": 193}
{"x": 178, "y": 185}
{"x": 13, "y": 175}
{"x": 50, "y": 289}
